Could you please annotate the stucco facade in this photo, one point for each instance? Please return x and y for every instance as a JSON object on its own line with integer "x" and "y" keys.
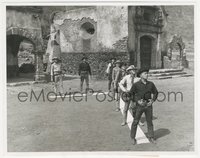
{"x": 19, "y": 29}
{"x": 116, "y": 29}
{"x": 139, "y": 35}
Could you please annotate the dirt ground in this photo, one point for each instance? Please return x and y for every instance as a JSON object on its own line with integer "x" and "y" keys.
{"x": 91, "y": 125}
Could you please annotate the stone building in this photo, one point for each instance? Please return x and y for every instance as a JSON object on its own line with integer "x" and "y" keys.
{"x": 24, "y": 24}
{"x": 131, "y": 33}
{"x": 141, "y": 35}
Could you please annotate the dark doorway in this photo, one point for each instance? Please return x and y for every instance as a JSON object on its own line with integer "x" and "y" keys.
{"x": 145, "y": 51}
{"x": 19, "y": 66}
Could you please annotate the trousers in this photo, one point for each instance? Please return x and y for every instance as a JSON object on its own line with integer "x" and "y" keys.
{"x": 84, "y": 76}
{"x": 148, "y": 110}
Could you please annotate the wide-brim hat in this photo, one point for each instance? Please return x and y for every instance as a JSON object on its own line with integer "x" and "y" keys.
{"x": 118, "y": 61}
{"x": 131, "y": 67}
{"x": 141, "y": 71}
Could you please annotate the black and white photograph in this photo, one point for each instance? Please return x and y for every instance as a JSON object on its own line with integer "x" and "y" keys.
{"x": 100, "y": 78}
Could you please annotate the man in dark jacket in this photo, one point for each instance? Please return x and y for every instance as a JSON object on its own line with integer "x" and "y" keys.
{"x": 143, "y": 91}
{"x": 84, "y": 72}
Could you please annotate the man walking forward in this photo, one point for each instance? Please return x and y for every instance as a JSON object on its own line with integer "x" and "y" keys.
{"x": 143, "y": 91}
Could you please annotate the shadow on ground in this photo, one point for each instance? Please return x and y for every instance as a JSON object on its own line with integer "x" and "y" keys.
{"x": 161, "y": 133}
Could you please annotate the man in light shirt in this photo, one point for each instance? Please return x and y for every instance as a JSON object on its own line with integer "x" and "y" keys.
{"x": 125, "y": 85}
{"x": 56, "y": 75}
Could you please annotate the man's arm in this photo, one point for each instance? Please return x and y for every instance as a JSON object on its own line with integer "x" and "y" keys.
{"x": 117, "y": 76}
{"x": 108, "y": 68}
{"x": 89, "y": 69}
{"x": 79, "y": 69}
{"x": 122, "y": 83}
{"x": 113, "y": 74}
{"x": 155, "y": 92}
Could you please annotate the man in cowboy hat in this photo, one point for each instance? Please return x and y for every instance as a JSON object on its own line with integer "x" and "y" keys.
{"x": 109, "y": 70}
{"x": 115, "y": 81}
{"x": 56, "y": 75}
{"x": 125, "y": 85}
{"x": 120, "y": 74}
{"x": 143, "y": 91}
{"x": 84, "y": 71}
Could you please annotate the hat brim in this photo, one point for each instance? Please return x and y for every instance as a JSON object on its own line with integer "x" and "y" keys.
{"x": 141, "y": 71}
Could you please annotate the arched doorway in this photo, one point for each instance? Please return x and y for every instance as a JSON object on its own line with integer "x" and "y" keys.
{"x": 145, "y": 51}
{"x": 19, "y": 62}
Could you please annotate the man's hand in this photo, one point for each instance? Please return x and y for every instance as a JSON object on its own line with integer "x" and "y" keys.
{"x": 150, "y": 102}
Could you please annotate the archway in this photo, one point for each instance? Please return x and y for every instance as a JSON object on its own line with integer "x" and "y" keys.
{"x": 145, "y": 51}
{"x": 20, "y": 60}
{"x": 15, "y": 36}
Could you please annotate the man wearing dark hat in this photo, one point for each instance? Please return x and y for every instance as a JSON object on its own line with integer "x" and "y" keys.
{"x": 56, "y": 75}
{"x": 143, "y": 91}
{"x": 115, "y": 84}
{"x": 84, "y": 71}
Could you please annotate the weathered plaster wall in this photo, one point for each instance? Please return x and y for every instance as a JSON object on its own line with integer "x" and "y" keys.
{"x": 25, "y": 24}
{"x": 180, "y": 21}
{"x": 70, "y": 23}
{"x": 22, "y": 20}
{"x": 112, "y": 27}
{"x": 132, "y": 35}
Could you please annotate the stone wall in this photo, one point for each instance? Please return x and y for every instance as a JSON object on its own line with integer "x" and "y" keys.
{"x": 22, "y": 19}
{"x": 180, "y": 21}
{"x": 112, "y": 25}
{"x": 73, "y": 25}
{"x": 72, "y": 40}
{"x": 98, "y": 62}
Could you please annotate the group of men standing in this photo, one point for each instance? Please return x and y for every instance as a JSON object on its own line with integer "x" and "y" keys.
{"x": 126, "y": 83}
{"x": 132, "y": 86}
{"x": 84, "y": 72}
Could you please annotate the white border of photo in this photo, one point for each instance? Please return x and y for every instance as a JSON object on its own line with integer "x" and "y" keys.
{"x": 3, "y": 91}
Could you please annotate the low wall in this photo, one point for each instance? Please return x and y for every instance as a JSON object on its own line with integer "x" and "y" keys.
{"x": 98, "y": 62}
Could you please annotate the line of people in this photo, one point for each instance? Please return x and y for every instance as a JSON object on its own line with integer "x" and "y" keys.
{"x": 136, "y": 91}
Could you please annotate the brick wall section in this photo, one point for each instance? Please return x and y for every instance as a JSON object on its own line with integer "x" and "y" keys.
{"x": 98, "y": 62}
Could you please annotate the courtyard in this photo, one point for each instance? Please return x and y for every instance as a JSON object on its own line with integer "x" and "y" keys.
{"x": 92, "y": 124}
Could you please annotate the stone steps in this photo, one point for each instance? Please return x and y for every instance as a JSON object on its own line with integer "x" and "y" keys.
{"x": 159, "y": 74}
{"x": 167, "y": 74}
